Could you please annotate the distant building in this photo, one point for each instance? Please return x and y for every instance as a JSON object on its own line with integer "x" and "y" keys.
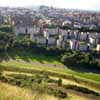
{"x": 92, "y": 40}
{"x": 98, "y": 48}
{"x": 67, "y": 23}
{"x": 74, "y": 45}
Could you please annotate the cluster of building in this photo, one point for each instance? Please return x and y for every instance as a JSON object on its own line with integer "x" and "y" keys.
{"x": 71, "y": 18}
{"x": 55, "y": 16}
{"x": 28, "y": 21}
{"x": 68, "y": 39}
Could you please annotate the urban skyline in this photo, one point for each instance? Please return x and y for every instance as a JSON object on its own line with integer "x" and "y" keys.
{"x": 74, "y": 4}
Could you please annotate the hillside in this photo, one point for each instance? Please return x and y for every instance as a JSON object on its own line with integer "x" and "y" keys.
{"x": 29, "y": 71}
{"x": 9, "y": 92}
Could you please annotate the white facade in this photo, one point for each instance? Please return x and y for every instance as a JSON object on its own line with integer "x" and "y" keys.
{"x": 51, "y": 41}
{"x": 98, "y": 47}
{"x": 71, "y": 45}
{"x": 59, "y": 43}
{"x": 83, "y": 36}
{"x": 92, "y": 40}
{"x": 46, "y": 35}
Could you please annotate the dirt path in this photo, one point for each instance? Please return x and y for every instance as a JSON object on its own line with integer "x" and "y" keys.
{"x": 74, "y": 95}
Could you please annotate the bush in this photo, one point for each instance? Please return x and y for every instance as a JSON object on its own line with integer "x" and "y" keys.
{"x": 69, "y": 59}
{"x": 61, "y": 94}
{"x": 59, "y": 82}
{"x": 80, "y": 59}
{"x": 5, "y": 28}
{"x": 57, "y": 92}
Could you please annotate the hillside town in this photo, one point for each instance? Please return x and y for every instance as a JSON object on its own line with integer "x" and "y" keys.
{"x": 31, "y": 22}
{"x": 49, "y": 49}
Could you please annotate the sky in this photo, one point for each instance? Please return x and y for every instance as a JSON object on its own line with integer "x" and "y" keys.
{"x": 76, "y": 4}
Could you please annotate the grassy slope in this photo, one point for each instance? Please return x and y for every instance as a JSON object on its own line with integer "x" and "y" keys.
{"x": 43, "y": 62}
{"x": 39, "y": 66}
{"x": 9, "y": 92}
{"x": 93, "y": 82}
{"x": 64, "y": 81}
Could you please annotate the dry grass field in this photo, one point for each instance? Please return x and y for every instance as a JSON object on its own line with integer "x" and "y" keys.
{"x": 9, "y": 92}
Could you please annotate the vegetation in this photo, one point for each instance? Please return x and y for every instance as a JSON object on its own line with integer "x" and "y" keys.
{"x": 66, "y": 27}
{"x": 60, "y": 82}
{"x": 6, "y": 40}
{"x": 33, "y": 65}
{"x": 80, "y": 59}
{"x": 6, "y": 28}
{"x": 9, "y": 92}
{"x": 36, "y": 83}
{"x": 43, "y": 84}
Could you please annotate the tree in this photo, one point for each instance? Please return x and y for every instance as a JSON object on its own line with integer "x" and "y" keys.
{"x": 25, "y": 42}
{"x": 6, "y": 28}
{"x": 6, "y": 40}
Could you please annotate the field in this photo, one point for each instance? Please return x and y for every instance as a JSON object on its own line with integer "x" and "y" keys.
{"x": 9, "y": 92}
{"x": 24, "y": 94}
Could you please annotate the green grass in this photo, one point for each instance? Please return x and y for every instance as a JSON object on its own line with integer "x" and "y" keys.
{"x": 29, "y": 56}
{"x": 31, "y": 65}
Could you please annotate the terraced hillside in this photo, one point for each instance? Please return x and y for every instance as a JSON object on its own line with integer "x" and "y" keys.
{"x": 58, "y": 83}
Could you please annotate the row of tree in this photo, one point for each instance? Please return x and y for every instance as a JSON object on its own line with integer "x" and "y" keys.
{"x": 66, "y": 27}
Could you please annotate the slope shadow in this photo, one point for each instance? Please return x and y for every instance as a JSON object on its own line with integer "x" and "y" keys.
{"x": 84, "y": 68}
{"x": 27, "y": 56}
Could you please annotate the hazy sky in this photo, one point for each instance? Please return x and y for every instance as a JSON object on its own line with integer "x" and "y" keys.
{"x": 80, "y": 4}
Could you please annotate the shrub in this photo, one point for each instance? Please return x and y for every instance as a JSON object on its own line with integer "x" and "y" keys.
{"x": 18, "y": 83}
{"x": 61, "y": 94}
{"x": 5, "y": 28}
{"x": 69, "y": 59}
{"x": 59, "y": 82}
{"x": 57, "y": 92}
